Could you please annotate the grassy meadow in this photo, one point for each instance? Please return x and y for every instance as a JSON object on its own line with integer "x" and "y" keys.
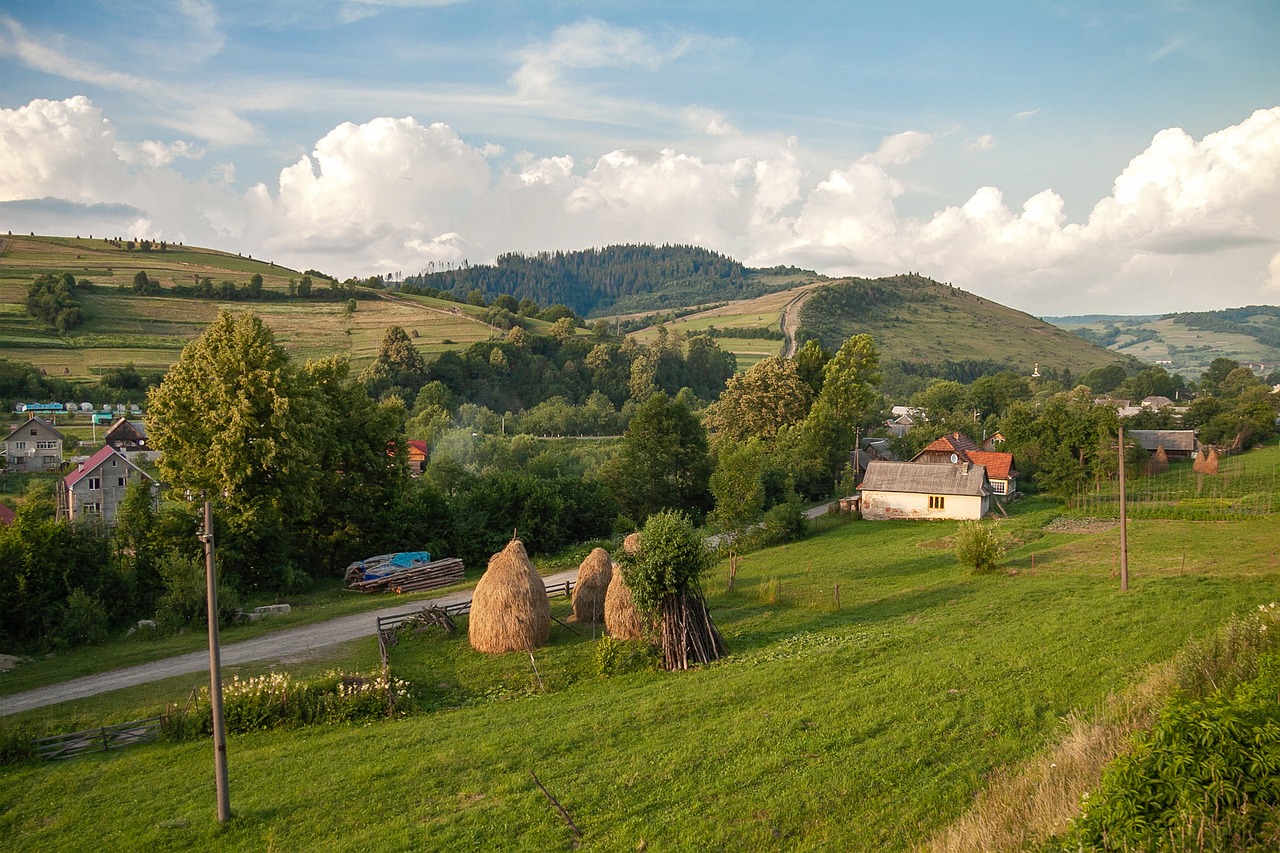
{"x": 149, "y": 331}
{"x": 868, "y": 725}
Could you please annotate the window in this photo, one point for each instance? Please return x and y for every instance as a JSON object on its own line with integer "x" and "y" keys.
{"x": 35, "y": 432}
{"x": 998, "y": 486}
{"x": 95, "y": 483}
{"x": 49, "y": 460}
{"x": 937, "y": 502}
{"x": 120, "y": 482}
{"x": 46, "y": 445}
{"x": 91, "y": 507}
{"x": 20, "y": 445}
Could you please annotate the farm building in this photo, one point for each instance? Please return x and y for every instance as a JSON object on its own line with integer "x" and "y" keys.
{"x": 126, "y": 435}
{"x": 924, "y": 490}
{"x": 417, "y": 455}
{"x": 1177, "y": 443}
{"x": 97, "y": 487}
{"x": 34, "y": 446}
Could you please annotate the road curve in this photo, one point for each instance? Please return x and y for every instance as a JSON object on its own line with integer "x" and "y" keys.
{"x": 278, "y": 645}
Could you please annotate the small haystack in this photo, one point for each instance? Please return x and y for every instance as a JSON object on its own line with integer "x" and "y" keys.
{"x": 509, "y": 609}
{"x": 1159, "y": 461}
{"x": 591, "y": 587}
{"x": 1206, "y": 462}
{"x": 631, "y": 544}
{"x": 621, "y": 618}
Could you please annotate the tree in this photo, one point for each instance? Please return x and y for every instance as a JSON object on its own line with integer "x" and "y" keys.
{"x": 665, "y": 577}
{"x": 979, "y": 546}
{"x": 811, "y": 359}
{"x": 850, "y": 379}
{"x": 234, "y": 421}
{"x": 737, "y": 484}
{"x": 662, "y": 460}
{"x": 398, "y": 363}
{"x": 254, "y": 288}
{"x": 758, "y": 403}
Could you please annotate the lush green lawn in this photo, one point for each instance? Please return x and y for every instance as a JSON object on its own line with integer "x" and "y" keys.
{"x": 866, "y": 727}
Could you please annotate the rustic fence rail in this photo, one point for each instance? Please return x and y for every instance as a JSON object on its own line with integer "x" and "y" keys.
{"x": 101, "y": 739}
{"x": 563, "y": 589}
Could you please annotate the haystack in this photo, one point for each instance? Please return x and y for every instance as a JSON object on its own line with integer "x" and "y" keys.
{"x": 1206, "y": 462}
{"x": 631, "y": 544}
{"x": 509, "y": 609}
{"x": 1159, "y": 461}
{"x": 621, "y": 618}
{"x": 593, "y": 583}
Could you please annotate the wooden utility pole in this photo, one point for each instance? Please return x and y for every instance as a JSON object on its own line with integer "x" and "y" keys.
{"x": 215, "y": 671}
{"x": 1124, "y": 537}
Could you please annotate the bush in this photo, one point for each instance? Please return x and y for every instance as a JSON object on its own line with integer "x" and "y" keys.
{"x": 615, "y": 657}
{"x": 784, "y": 522}
{"x": 83, "y": 621}
{"x": 278, "y": 700}
{"x": 183, "y": 603}
{"x": 979, "y": 546}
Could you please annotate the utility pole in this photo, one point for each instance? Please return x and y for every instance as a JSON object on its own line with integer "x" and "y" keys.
{"x": 1124, "y": 537}
{"x": 215, "y": 671}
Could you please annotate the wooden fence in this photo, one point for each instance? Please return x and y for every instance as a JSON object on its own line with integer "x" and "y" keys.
{"x": 564, "y": 589}
{"x": 103, "y": 739}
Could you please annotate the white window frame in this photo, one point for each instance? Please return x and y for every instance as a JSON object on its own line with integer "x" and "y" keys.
{"x": 94, "y": 484}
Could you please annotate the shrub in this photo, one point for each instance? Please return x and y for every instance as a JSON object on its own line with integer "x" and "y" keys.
{"x": 83, "y": 621}
{"x": 615, "y": 657}
{"x": 979, "y": 546}
{"x": 278, "y": 700}
{"x": 183, "y": 603}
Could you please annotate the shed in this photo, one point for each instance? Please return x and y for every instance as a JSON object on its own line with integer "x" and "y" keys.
{"x": 925, "y": 490}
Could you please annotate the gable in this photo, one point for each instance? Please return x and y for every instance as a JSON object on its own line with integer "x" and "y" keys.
{"x": 926, "y": 478}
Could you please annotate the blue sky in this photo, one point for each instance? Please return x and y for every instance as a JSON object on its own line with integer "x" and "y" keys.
{"x": 1059, "y": 157}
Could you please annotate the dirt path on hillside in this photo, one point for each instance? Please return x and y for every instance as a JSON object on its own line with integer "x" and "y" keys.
{"x": 790, "y": 322}
{"x": 289, "y": 644}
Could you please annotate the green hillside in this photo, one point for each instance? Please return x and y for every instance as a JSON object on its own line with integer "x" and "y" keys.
{"x": 1187, "y": 342}
{"x": 123, "y": 327}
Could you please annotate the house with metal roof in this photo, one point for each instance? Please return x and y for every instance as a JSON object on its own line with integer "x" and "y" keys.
{"x": 34, "y": 446}
{"x": 126, "y": 435}
{"x": 925, "y": 490}
{"x": 958, "y": 449}
{"x": 97, "y": 487}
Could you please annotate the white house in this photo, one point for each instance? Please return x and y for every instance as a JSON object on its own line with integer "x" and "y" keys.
{"x": 924, "y": 490}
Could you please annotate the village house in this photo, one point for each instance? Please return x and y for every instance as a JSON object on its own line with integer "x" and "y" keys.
{"x": 97, "y": 487}
{"x": 958, "y": 449}
{"x": 926, "y": 491}
{"x": 417, "y": 455}
{"x": 126, "y": 435}
{"x": 34, "y": 446}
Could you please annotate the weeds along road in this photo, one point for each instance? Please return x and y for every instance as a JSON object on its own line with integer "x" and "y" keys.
{"x": 278, "y": 645}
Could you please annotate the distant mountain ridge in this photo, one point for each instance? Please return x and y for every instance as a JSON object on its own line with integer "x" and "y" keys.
{"x": 616, "y": 279}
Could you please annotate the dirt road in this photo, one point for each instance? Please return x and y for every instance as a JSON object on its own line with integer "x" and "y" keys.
{"x": 790, "y": 322}
{"x": 277, "y": 646}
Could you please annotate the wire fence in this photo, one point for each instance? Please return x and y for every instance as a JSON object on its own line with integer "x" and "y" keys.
{"x": 1239, "y": 490}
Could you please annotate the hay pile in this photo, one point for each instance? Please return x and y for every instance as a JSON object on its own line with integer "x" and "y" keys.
{"x": 509, "y": 609}
{"x": 631, "y": 544}
{"x": 594, "y": 576}
{"x": 1206, "y": 462}
{"x": 1159, "y": 461}
{"x": 621, "y": 618}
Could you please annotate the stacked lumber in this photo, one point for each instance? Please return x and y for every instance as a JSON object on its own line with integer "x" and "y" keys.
{"x": 437, "y": 573}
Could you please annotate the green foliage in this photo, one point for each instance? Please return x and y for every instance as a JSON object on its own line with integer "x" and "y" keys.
{"x": 979, "y": 546}
{"x": 618, "y": 657}
{"x": 671, "y": 561}
{"x": 279, "y": 700}
{"x": 51, "y": 299}
{"x": 82, "y": 621}
{"x": 184, "y": 603}
{"x": 758, "y": 403}
{"x": 1207, "y": 777}
{"x": 662, "y": 462}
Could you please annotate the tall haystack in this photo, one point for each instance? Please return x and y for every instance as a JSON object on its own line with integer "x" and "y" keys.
{"x": 589, "y": 590}
{"x": 621, "y": 619}
{"x": 1206, "y": 462}
{"x": 509, "y": 609}
{"x": 1159, "y": 461}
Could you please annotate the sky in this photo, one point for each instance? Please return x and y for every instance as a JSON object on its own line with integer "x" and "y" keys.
{"x": 1059, "y": 157}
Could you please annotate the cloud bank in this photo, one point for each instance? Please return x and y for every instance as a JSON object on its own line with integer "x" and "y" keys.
{"x": 1188, "y": 224}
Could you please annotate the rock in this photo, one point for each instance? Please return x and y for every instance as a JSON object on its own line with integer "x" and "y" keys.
{"x": 273, "y": 610}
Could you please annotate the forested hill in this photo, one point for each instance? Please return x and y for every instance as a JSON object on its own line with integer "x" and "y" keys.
{"x": 614, "y": 279}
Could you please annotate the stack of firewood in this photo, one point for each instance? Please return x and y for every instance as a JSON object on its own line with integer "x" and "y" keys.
{"x": 427, "y": 576}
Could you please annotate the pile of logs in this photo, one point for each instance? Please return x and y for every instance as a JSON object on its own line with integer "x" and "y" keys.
{"x": 427, "y": 576}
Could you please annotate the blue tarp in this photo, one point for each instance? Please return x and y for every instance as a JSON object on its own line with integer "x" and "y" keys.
{"x": 389, "y": 564}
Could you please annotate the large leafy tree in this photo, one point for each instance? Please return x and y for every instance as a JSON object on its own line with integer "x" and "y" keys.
{"x": 738, "y": 487}
{"x": 662, "y": 461}
{"x": 758, "y": 403}
{"x": 397, "y": 364}
{"x": 234, "y": 420}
